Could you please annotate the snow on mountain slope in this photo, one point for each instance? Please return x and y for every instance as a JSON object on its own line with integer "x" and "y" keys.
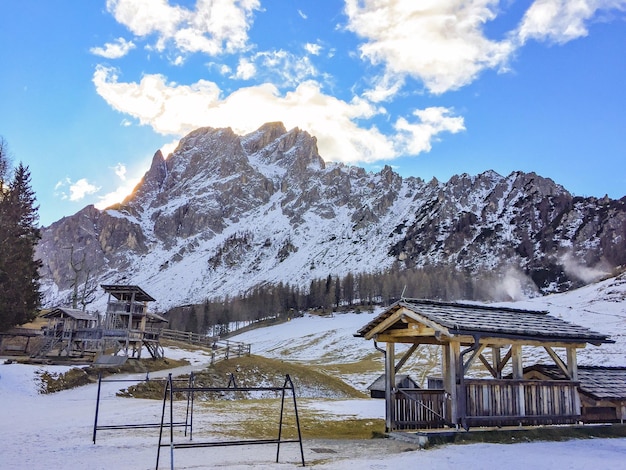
{"x": 600, "y": 307}
{"x": 329, "y": 340}
{"x": 224, "y": 213}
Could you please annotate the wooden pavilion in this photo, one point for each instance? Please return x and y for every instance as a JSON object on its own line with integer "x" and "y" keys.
{"x": 492, "y": 337}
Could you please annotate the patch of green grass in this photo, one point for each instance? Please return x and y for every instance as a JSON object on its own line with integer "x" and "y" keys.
{"x": 259, "y": 419}
{"x": 254, "y": 371}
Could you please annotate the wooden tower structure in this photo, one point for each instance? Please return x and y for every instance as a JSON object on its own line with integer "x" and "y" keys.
{"x": 128, "y": 326}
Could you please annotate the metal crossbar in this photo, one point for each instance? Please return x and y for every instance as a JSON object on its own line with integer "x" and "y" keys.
{"x": 187, "y": 424}
{"x": 170, "y": 389}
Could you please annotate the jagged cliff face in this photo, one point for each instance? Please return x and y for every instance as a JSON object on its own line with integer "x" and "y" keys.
{"x": 225, "y": 212}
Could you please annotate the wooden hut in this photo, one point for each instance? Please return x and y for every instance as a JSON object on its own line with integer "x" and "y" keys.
{"x": 69, "y": 332}
{"x": 493, "y": 337}
{"x": 377, "y": 388}
{"x": 602, "y": 390}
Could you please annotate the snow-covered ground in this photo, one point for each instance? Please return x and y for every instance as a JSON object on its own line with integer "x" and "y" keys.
{"x": 55, "y": 431}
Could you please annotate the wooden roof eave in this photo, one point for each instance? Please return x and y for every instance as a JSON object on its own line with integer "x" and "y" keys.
{"x": 530, "y": 340}
{"x": 404, "y": 315}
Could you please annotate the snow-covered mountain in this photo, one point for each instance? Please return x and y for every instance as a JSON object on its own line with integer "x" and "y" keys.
{"x": 224, "y": 213}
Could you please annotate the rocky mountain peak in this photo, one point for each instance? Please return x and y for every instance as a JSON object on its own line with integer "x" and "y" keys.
{"x": 224, "y": 213}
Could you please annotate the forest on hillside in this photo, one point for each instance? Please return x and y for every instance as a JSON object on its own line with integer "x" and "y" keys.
{"x": 353, "y": 291}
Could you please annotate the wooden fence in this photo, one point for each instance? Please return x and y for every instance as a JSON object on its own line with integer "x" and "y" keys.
{"x": 220, "y": 349}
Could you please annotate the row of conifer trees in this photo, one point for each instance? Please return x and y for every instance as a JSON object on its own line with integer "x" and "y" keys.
{"x": 351, "y": 292}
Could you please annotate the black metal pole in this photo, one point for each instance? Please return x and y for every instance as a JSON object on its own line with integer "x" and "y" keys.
{"x": 280, "y": 423}
{"x": 165, "y": 389}
{"x": 171, "y": 422}
{"x": 95, "y": 421}
{"x": 295, "y": 407}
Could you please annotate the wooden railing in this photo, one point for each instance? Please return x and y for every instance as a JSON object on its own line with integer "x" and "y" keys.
{"x": 489, "y": 402}
{"x": 419, "y": 409}
{"x": 501, "y": 402}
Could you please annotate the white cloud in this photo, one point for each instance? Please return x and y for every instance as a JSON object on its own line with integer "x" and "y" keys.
{"x": 303, "y": 15}
{"x": 114, "y": 50}
{"x": 168, "y": 108}
{"x": 77, "y": 190}
{"x": 416, "y": 138}
{"x": 126, "y": 185}
{"x": 385, "y": 88}
{"x": 441, "y": 43}
{"x": 215, "y": 26}
{"x": 313, "y": 49}
{"x": 175, "y": 109}
{"x": 561, "y": 21}
{"x": 169, "y": 148}
{"x": 118, "y": 195}
{"x": 245, "y": 69}
{"x": 120, "y": 171}
{"x": 82, "y": 188}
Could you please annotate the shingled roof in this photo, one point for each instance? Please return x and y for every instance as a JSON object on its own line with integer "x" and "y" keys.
{"x": 601, "y": 383}
{"x": 456, "y": 319}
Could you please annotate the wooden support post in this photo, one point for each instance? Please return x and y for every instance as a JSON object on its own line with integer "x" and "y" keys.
{"x": 572, "y": 371}
{"x": 390, "y": 382}
{"x": 518, "y": 374}
{"x": 496, "y": 359}
{"x": 451, "y": 359}
{"x": 572, "y": 364}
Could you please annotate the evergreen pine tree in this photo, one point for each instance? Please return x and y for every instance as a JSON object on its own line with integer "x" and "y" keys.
{"x": 19, "y": 234}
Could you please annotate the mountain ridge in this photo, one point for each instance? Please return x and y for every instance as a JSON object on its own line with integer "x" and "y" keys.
{"x": 224, "y": 213}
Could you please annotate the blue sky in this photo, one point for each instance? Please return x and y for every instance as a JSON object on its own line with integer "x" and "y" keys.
{"x": 89, "y": 90}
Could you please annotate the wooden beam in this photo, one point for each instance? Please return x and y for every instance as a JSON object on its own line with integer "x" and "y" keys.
{"x": 425, "y": 321}
{"x": 477, "y": 352}
{"x": 406, "y": 356}
{"x": 495, "y": 360}
{"x": 412, "y": 331}
{"x": 558, "y": 361}
{"x": 516, "y": 361}
{"x": 383, "y": 325}
{"x": 488, "y": 366}
{"x": 392, "y": 338}
{"x": 503, "y": 362}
